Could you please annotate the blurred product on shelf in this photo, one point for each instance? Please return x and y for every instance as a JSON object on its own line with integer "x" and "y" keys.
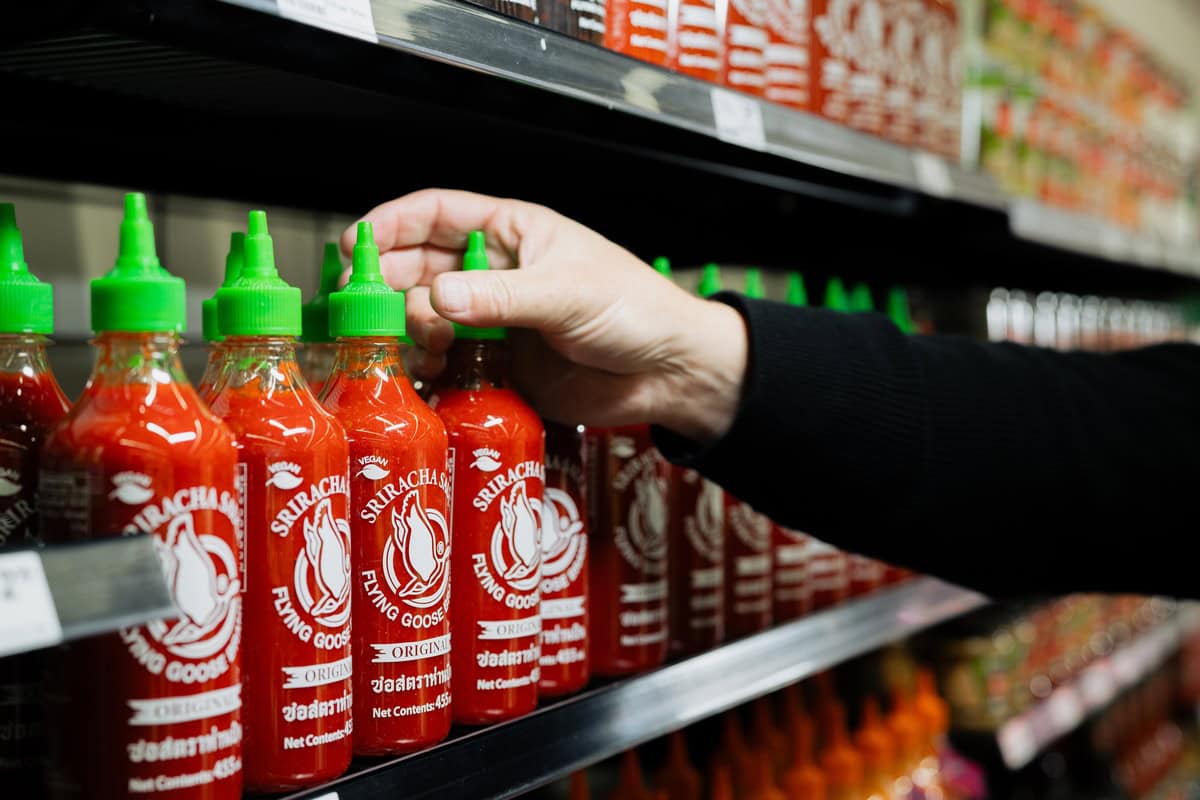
{"x": 639, "y": 28}
{"x": 565, "y": 658}
{"x": 400, "y": 526}
{"x": 141, "y": 454}
{"x": 744, "y": 46}
{"x": 696, "y": 548}
{"x": 525, "y": 10}
{"x": 579, "y": 19}
{"x": 678, "y": 779}
{"x": 497, "y": 474}
{"x": 787, "y": 53}
{"x": 319, "y": 349}
{"x": 294, "y": 472}
{"x": 1076, "y": 113}
{"x": 211, "y": 322}
{"x": 698, "y": 39}
{"x": 1068, "y": 322}
{"x": 31, "y": 405}
{"x": 848, "y": 56}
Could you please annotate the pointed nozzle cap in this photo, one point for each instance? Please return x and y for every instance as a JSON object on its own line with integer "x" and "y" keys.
{"x": 137, "y": 295}
{"x": 710, "y": 281}
{"x": 860, "y": 298}
{"x": 898, "y": 310}
{"x": 835, "y": 295}
{"x": 796, "y": 295}
{"x": 26, "y": 304}
{"x": 367, "y": 306}
{"x": 233, "y": 268}
{"x": 314, "y": 315}
{"x": 259, "y": 302}
{"x": 475, "y": 259}
{"x": 662, "y": 266}
{"x": 754, "y": 284}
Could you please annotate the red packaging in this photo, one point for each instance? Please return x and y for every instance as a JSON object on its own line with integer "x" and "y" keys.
{"x": 790, "y": 581}
{"x": 565, "y": 665}
{"x": 696, "y": 45}
{"x": 579, "y": 19}
{"x": 627, "y": 509}
{"x": 400, "y": 540}
{"x": 904, "y": 27}
{"x": 497, "y": 475}
{"x": 697, "y": 613}
{"x": 939, "y": 84}
{"x": 744, "y": 65}
{"x": 748, "y": 595}
{"x": 849, "y": 62}
{"x": 154, "y": 708}
{"x": 828, "y": 574}
{"x": 866, "y": 574}
{"x": 787, "y": 53}
{"x": 639, "y": 28}
{"x": 293, "y": 459}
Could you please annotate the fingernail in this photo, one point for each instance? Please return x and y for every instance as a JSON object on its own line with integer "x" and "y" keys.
{"x": 453, "y": 295}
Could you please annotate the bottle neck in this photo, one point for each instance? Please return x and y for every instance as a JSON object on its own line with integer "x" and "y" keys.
{"x": 23, "y": 353}
{"x": 137, "y": 358}
{"x": 474, "y": 364}
{"x": 371, "y": 366}
{"x": 263, "y": 363}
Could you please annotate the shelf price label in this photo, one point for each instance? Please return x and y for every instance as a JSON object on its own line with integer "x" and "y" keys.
{"x": 347, "y": 17}
{"x": 738, "y": 119}
{"x": 28, "y": 619}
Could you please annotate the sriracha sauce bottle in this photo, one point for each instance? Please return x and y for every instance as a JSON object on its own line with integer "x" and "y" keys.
{"x": 400, "y": 519}
{"x": 153, "y": 709}
{"x": 319, "y": 350}
{"x": 31, "y": 404}
{"x": 293, "y": 463}
{"x": 210, "y": 325}
{"x": 497, "y": 474}
{"x": 565, "y": 662}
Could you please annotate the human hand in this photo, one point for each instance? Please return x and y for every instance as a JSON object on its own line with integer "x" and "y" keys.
{"x": 601, "y": 339}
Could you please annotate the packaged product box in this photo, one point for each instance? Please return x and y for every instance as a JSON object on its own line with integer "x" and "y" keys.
{"x": 697, "y": 48}
{"x": 579, "y": 19}
{"x": 849, "y": 62}
{"x": 639, "y": 28}
{"x": 788, "y": 52}
{"x": 904, "y": 20}
{"x": 939, "y": 80}
{"x": 745, "y": 40}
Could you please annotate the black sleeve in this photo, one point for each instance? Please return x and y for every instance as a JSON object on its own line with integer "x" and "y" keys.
{"x": 1004, "y": 468}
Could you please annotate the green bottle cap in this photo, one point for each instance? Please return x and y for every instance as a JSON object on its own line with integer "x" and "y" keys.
{"x": 314, "y": 315}
{"x": 26, "y": 304}
{"x": 860, "y": 298}
{"x": 796, "y": 293}
{"x": 259, "y": 303}
{"x": 898, "y": 311}
{"x": 367, "y": 306}
{"x": 474, "y": 260}
{"x": 710, "y": 281}
{"x": 233, "y": 268}
{"x": 663, "y": 266}
{"x": 138, "y": 295}
{"x": 754, "y": 284}
{"x": 835, "y": 295}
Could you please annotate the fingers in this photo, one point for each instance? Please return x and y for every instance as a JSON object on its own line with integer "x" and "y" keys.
{"x": 425, "y": 327}
{"x": 417, "y": 266}
{"x": 509, "y": 298}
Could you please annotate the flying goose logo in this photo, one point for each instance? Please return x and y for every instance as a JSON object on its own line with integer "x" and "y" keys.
{"x": 623, "y": 447}
{"x": 562, "y": 532}
{"x": 202, "y": 574}
{"x": 752, "y": 528}
{"x": 648, "y": 515}
{"x": 373, "y": 468}
{"x": 10, "y": 482}
{"x": 486, "y": 460}
{"x": 131, "y": 488}
{"x": 284, "y": 475}
{"x": 416, "y": 557}
{"x": 706, "y": 530}
{"x": 322, "y": 574}
{"x": 516, "y": 539}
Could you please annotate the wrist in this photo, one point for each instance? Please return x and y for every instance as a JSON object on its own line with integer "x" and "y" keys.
{"x": 702, "y": 384}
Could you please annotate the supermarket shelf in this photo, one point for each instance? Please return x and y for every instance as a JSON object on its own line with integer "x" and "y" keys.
{"x": 66, "y": 592}
{"x": 1022, "y": 738}
{"x": 509, "y": 759}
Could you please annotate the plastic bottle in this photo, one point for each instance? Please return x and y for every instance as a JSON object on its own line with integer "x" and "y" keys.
{"x": 908, "y": 733}
{"x": 565, "y": 659}
{"x": 630, "y": 783}
{"x": 679, "y": 779}
{"x": 762, "y": 786}
{"x": 31, "y": 404}
{"x": 211, "y": 325}
{"x": 141, "y": 454}
{"x": 803, "y": 779}
{"x": 786, "y": 53}
{"x": 319, "y": 348}
{"x": 734, "y": 751}
{"x": 767, "y": 736}
{"x": 744, "y": 46}
{"x": 639, "y": 28}
{"x": 400, "y": 522}
{"x": 578, "y": 786}
{"x": 875, "y": 744}
{"x": 935, "y": 718}
{"x": 696, "y": 43}
{"x": 722, "y": 782}
{"x": 294, "y": 463}
{"x": 841, "y": 763}
{"x": 497, "y": 474}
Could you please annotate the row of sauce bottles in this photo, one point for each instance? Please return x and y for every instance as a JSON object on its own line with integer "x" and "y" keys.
{"x": 276, "y": 514}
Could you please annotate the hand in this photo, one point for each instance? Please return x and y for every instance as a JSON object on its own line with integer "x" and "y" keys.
{"x": 605, "y": 339}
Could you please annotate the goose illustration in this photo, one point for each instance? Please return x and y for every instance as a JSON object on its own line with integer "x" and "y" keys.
{"x": 558, "y": 528}
{"x": 203, "y": 598}
{"x": 710, "y": 511}
{"x": 521, "y": 530}
{"x": 8, "y": 487}
{"x": 326, "y": 551}
{"x": 417, "y": 544}
{"x": 652, "y": 507}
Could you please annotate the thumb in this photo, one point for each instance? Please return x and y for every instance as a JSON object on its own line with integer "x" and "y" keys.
{"x": 501, "y": 298}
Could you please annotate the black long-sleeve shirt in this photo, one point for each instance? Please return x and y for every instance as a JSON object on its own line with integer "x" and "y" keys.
{"x": 1004, "y": 468}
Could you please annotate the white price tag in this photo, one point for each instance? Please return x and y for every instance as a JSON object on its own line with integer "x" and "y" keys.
{"x": 28, "y": 619}
{"x": 933, "y": 175}
{"x": 347, "y": 17}
{"x": 739, "y": 119}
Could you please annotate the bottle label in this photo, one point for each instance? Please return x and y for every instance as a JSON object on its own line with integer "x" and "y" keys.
{"x": 748, "y": 568}
{"x": 564, "y": 564}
